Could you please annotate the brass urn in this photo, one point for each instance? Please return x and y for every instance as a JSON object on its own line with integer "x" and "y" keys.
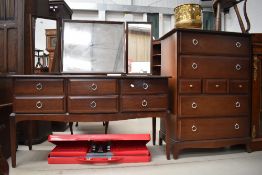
{"x": 188, "y": 16}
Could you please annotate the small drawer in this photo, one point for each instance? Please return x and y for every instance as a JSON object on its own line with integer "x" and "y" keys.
{"x": 92, "y": 87}
{"x": 144, "y": 86}
{"x": 218, "y": 128}
{"x": 94, "y": 104}
{"x": 207, "y": 44}
{"x": 238, "y": 86}
{"x": 144, "y": 103}
{"x": 39, "y": 104}
{"x": 213, "y": 105}
{"x": 192, "y": 86}
{"x": 215, "y": 86}
{"x": 39, "y": 87}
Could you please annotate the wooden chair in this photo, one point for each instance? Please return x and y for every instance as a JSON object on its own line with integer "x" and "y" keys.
{"x": 71, "y": 126}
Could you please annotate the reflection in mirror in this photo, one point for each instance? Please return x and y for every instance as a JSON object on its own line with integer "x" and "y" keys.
{"x": 139, "y": 47}
{"x": 93, "y": 47}
{"x": 45, "y": 43}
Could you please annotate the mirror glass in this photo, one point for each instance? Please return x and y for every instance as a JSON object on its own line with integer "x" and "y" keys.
{"x": 93, "y": 47}
{"x": 44, "y": 44}
{"x": 139, "y": 47}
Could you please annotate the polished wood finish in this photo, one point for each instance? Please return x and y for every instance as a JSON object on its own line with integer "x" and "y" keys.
{"x": 210, "y": 91}
{"x": 156, "y": 58}
{"x": 117, "y": 103}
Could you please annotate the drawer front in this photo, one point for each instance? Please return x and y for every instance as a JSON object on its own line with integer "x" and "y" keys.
{"x": 95, "y": 104}
{"x": 239, "y": 86}
{"x": 39, "y": 87}
{"x": 213, "y": 105}
{"x": 92, "y": 87}
{"x": 144, "y": 103}
{"x": 214, "y": 67}
{"x": 206, "y": 44}
{"x": 190, "y": 86}
{"x": 215, "y": 86}
{"x": 144, "y": 86}
{"x": 39, "y": 105}
{"x": 219, "y": 128}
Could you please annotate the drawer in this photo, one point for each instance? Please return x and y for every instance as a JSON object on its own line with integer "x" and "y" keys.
{"x": 144, "y": 103}
{"x": 218, "y": 128}
{"x": 92, "y": 87}
{"x": 39, "y": 87}
{"x": 192, "y": 86}
{"x": 214, "y": 67}
{"x": 238, "y": 86}
{"x": 94, "y": 104}
{"x": 206, "y": 44}
{"x": 215, "y": 86}
{"x": 144, "y": 86}
{"x": 213, "y": 105}
{"x": 39, "y": 105}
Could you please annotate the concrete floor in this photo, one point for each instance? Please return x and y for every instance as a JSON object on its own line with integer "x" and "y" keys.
{"x": 231, "y": 161}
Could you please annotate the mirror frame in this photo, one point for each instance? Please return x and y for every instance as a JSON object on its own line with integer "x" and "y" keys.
{"x": 151, "y": 47}
{"x": 95, "y": 72}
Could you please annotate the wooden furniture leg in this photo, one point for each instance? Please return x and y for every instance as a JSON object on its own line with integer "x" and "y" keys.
{"x": 106, "y": 126}
{"x": 71, "y": 127}
{"x": 167, "y": 124}
{"x": 30, "y": 125}
{"x": 154, "y": 130}
{"x": 13, "y": 139}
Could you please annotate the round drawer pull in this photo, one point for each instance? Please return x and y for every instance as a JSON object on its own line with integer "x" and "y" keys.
{"x": 194, "y": 66}
{"x": 39, "y": 86}
{"x": 191, "y": 86}
{"x": 194, "y": 105}
{"x": 39, "y": 105}
{"x": 94, "y": 86}
{"x": 145, "y": 86}
{"x": 217, "y": 85}
{"x": 238, "y": 67}
{"x": 144, "y": 103}
{"x": 132, "y": 85}
{"x": 195, "y": 42}
{"x": 237, "y": 104}
{"x": 93, "y": 104}
{"x": 237, "y": 126}
{"x": 240, "y": 86}
{"x": 238, "y": 44}
{"x": 194, "y": 128}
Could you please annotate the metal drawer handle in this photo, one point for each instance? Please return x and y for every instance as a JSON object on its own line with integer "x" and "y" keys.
{"x": 39, "y": 104}
{"x": 93, "y": 104}
{"x": 194, "y": 128}
{"x": 132, "y": 85}
{"x": 194, "y": 66}
{"x": 145, "y": 86}
{"x": 237, "y": 126}
{"x": 144, "y": 103}
{"x": 238, "y": 67}
{"x": 194, "y": 105}
{"x": 93, "y": 86}
{"x": 238, "y": 44}
{"x": 195, "y": 42}
{"x": 237, "y": 104}
{"x": 217, "y": 85}
{"x": 39, "y": 86}
{"x": 240, "y": 86}
{"x": 191, "y": 86}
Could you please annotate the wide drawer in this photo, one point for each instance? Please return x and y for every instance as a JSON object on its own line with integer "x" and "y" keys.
{"x": 238, "y": 86}
{"x": 214, "y": 67}
{"x": 144, "y": 103}
{"x": 144, "y": 86}
{"x": 213, "y": 105}
{"x": 215, "y": 86}
{"x": 94, "y": 104}
{"x": 218, "y": 128}
{"x": 92, "y": 87}
{"x": 39, "y": 104}
{"x": 39, "y": 87}
{"x": 192, "y": 86}
{"x": 207, "y": 44}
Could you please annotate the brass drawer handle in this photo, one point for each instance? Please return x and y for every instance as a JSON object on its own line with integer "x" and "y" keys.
{"x": 93, "y": 104}
{"x": 195, "y": 42}
{"x": 194, "y": 105}
{"x": 145, "y": 86}
{"x": 144, "y": 103}
{"x": 194, "y": 128}
{"x": 132, "y": 85}
{"x": 237, "y": 126}
{"x": 237, "y": 104}
{"x": 240, "y": 86}
{"x": 217, "y": 85}
{"x": 39, "y": 105}
{"x": 191, "y": 86}
{"x": 238, "y": 44}
{"x": 238, "y": 66}
{"x": 39, "y": 86}
{"x": 194, "y": 66}
{"x": 94, "y": 86}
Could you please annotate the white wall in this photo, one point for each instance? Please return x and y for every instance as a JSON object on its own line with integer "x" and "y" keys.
{"x": 85, "y": 15}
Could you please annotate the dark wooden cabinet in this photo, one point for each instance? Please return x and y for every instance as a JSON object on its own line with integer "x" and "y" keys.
{"x": 210, "y": 88}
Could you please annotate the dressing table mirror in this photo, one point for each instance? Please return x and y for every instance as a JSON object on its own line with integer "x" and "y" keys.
{"x": 139, "y": 47}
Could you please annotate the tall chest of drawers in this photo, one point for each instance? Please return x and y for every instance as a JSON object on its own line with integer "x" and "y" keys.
{"x": 209, "y": 89}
